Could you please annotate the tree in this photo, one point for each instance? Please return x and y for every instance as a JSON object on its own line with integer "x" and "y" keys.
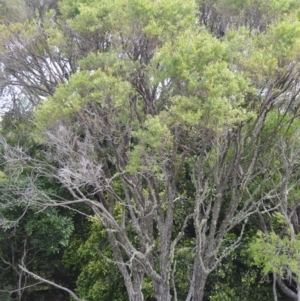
{"x": 157, "y": 102}
{"x": 36, "y": 54}
{"x": 99, "y": 278}
{"x": 276, "y": 246}
{"x": 34, "y": 238}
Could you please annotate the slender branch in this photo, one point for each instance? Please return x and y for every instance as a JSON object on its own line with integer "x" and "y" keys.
{"x": 274, "y": 287}
{"x": 74, "y": 296}
{"x": 23, "y": 288}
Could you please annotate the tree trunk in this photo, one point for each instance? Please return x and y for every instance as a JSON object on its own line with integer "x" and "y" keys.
{"x": 285, "y": 289}
{"x": 138, "y": 276}
{"x": 196, "y": 292}
{"x": 162, "y": 292}
{"x": 199, "y": 285}
{"x": 137, "y": 295}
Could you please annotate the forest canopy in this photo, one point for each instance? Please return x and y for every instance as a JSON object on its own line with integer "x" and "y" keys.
{"x": 149, "y": 150}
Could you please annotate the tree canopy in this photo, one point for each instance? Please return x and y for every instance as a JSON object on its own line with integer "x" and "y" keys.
{"x": 155, "y": 145}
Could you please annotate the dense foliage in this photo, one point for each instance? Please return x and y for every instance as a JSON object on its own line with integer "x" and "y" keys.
{"x": 149, "y": 150}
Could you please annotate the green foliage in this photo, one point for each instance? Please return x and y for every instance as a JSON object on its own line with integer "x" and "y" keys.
{"x": 99, "y": 278}
{"x": 154, "y": 18}
{"x": 238, "y": 278}
{"x": 274, "y": 253}
{"x": 61, "y": 229}
{"x": 84, "y": 87}
{"x": 4, "y": 297}
{"x": 235, "y": 281}
{"x": 35, "y": 228}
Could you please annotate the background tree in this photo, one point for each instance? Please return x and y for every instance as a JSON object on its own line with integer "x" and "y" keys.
{"x": 34, "y": 238}
{"x": 275, "y": 247}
